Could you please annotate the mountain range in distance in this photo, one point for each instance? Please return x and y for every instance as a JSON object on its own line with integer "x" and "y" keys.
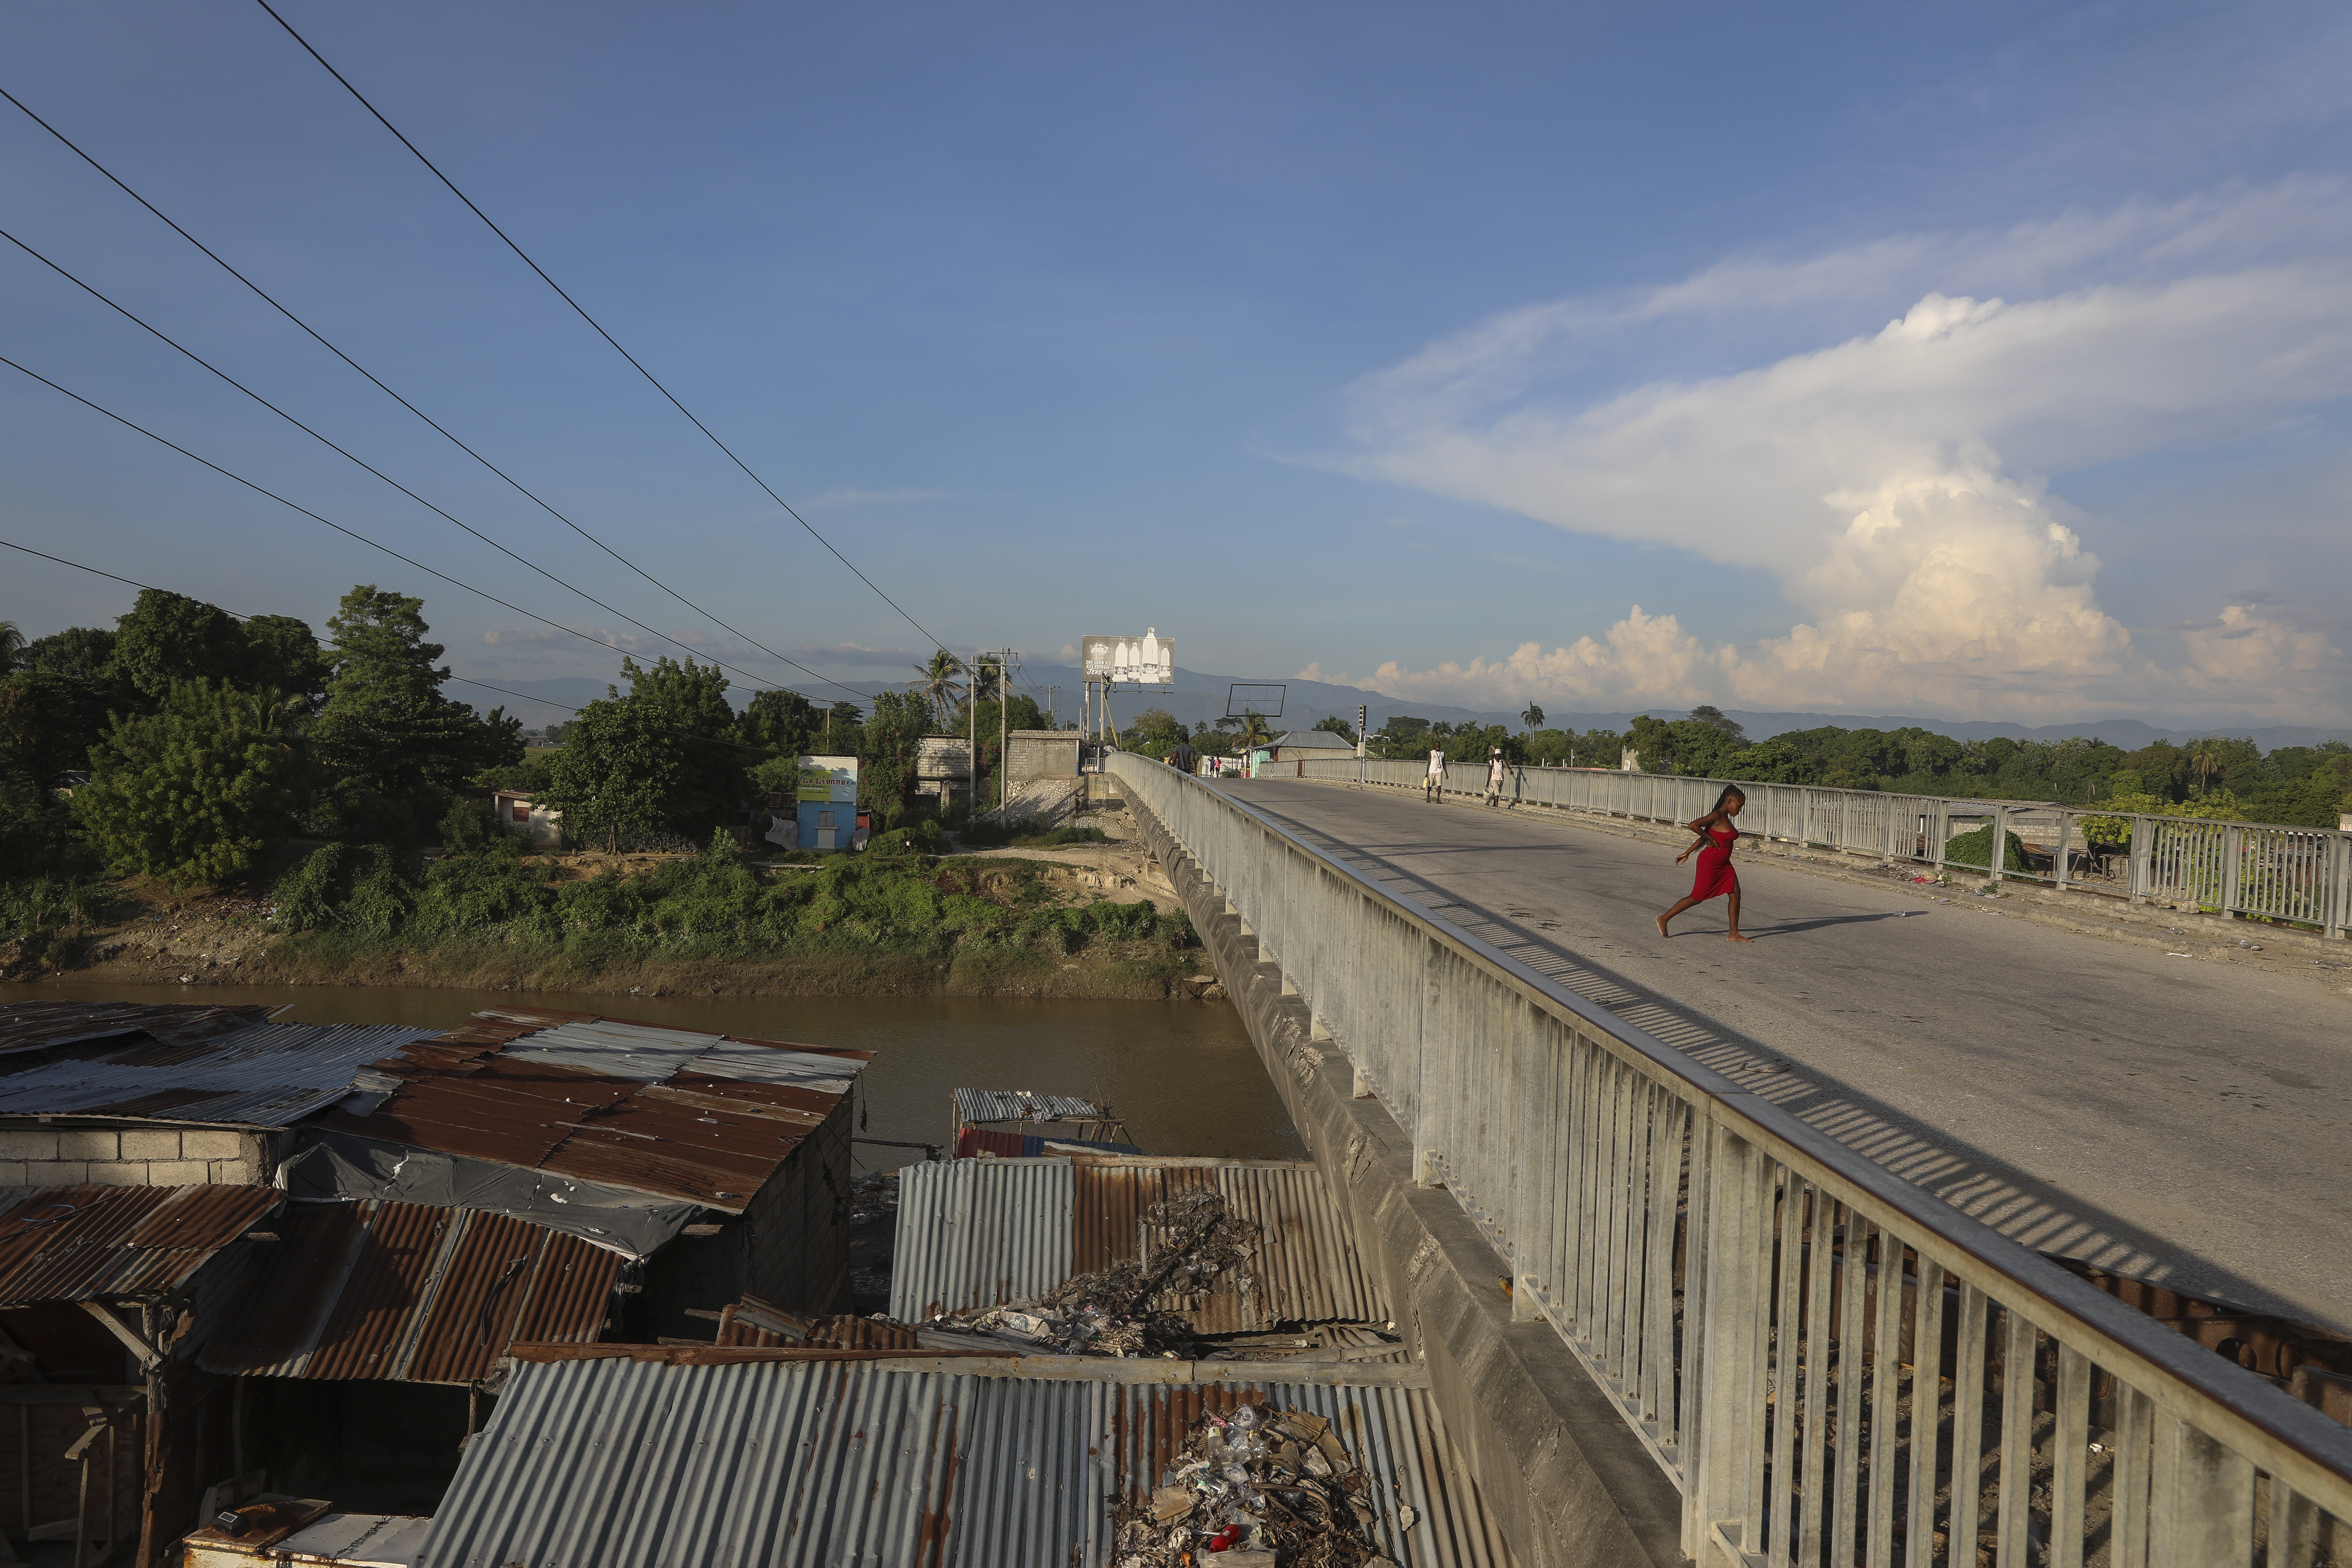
{"x": 1200, "y": 699}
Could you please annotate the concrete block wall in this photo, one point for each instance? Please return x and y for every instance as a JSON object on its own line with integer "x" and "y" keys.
{"x": 36, "y": 1156}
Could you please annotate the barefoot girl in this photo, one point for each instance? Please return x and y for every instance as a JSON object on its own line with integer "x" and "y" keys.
{"x": 1717, "y": 835}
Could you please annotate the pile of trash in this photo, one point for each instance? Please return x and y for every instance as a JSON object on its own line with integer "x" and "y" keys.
{"x": 1262, "y": 1487}
{"x": 1197, "y": 1242}
{"x": 874, "y": 1195}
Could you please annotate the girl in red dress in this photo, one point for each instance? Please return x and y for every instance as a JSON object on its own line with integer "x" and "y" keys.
{"x": 1717, "y": 835}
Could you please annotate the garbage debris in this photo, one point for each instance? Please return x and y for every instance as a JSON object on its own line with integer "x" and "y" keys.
{"x": 874, "y": 1195}
{"x": 1124, "y": 1310}
{"x": 1257, "y": 1486}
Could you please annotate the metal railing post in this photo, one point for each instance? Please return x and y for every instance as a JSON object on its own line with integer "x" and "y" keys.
{"x": 2233, "y": 853}
{"x": 2339, "y": 885}
{"x": 1998, "y": 852}
{"x": 2058, "y": 859}
{"x": 2142, "y": 858}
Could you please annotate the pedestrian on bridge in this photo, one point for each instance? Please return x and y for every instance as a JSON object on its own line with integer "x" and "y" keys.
{"x": 1717, "y": 832}
{"x": 1435, "y": 783}
{"x": 1495, "y": 777}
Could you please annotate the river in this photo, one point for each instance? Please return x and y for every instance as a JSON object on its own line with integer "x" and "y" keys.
{"x": 1183, "y": 1074}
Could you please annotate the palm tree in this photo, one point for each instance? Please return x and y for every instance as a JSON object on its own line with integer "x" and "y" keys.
{"x": 935, "y": 679}
{"x": 2204, "y": 761}
{"x": 1254, "y": 732}
{"x": 1533, "y": 717}
{"x": 12, "y": 645}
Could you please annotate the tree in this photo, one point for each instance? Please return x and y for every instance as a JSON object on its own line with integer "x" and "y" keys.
{"x": 1708, "y": 714}
{"x": 12, "y": 646}
{"x": 690, "y": 701}
{"x": 281, "y": 655}
{"x": 1532, "y": 717}
{"x": 168, "y": 637}
{"x": 48, "y": 724}
{"x": 195, "y": 792}
{"x": 2205, "y": 761}
{"x": 888, "y": 748}
{"x": 1254, "y": 732}
{"x": 935, "y": 680}
{"x": 616, "y": 775}
{"x": 80, "y": 651}
{"x": 1337, "y": 726}
{"x": 390, "y": 743}
{"x": 840, "y": 734}
{"x": 783, "y": 722}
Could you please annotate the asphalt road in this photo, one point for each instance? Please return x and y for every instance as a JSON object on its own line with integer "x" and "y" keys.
{"x": 2168, "y": 1117}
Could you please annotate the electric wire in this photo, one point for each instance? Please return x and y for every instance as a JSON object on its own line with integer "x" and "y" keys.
{"x": 462, "y": 680}
{"x": 592, "y": 320}
{"x": 338, "y": 528}
{"x": 268, "y": 300}
{"x": 197, "y": 359}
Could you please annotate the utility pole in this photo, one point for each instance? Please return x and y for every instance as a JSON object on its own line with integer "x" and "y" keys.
{"x": 972, "y": 736}
{"x": 1364, "y": 740}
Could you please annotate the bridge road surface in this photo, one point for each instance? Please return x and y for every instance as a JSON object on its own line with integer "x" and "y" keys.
{"x": 2180, "y": 1121}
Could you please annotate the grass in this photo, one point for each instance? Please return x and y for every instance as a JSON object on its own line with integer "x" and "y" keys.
{"x": 829, "y": 923}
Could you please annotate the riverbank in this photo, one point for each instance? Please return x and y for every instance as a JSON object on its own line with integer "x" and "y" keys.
{"x": 1089, "y": 922}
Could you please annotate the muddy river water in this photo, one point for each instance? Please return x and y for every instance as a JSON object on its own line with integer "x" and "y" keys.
{"x": 1183, "y": 1074}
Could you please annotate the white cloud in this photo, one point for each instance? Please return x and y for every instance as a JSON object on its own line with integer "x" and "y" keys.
{"x": 1893, "y": 482}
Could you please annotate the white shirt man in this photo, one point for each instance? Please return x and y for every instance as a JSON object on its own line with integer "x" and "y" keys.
{"x": 1495, "y": 778}
{"x": 1436, "y": 780}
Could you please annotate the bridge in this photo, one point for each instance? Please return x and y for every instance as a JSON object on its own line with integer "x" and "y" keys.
{"x": 1679, "y": 1220}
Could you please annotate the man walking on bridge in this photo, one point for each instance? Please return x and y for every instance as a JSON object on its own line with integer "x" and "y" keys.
{"x": 1436, "y": 783}
{"x": 1495, "y": 777}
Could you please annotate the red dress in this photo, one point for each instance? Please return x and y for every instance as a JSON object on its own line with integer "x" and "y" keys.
{"x": 1715, "y": 878}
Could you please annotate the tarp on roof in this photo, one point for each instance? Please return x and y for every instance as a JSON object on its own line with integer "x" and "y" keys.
{"x": 984, "y": 1105}
{"x": 92, "y": 1244}
{"x": 981, "y": 1233}
{"x": 407, "y": 1292}
{"x": 35, "y": 1026}
{"x": 640, "y": 1465}
{"x": 265, "y": 1075}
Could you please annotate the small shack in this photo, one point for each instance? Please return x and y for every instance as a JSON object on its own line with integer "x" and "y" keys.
{"x": 1309, "y": 745}
{"x": 1018, "y": 1122}
{"x": 518, "y": 812}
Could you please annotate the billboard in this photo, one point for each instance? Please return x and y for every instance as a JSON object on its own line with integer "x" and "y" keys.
{"x": 1147, "y": 661}
{"x": 827, "y": 779}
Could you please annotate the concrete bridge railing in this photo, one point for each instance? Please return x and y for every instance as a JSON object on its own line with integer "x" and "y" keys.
{"x": 2300, "y": 875}
{"x": 1829, "y": 1366}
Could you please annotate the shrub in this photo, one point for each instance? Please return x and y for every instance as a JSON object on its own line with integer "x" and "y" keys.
{"x": 1976, "y": 849}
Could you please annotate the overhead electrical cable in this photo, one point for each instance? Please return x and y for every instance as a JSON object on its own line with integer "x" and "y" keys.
{"x": 168, "y": 342}
{"x": 592, "y": 320}
{"x": 462, "y": 680}
{"x": 267, "y": 299}
{"x": 351, "y": 533}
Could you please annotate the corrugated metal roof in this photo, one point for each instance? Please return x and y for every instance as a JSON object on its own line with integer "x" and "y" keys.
{"x": 974, "y": 1233}
{"x": 1314, "y": 740}
{"x": 701, "y": 1118}
{"x": 35, "y": 1025}
{"x": 979, "y": 1232}
{"x": 90, "y": 1244}
{"x": 265, "y": 1075}
{"x": 757, "y": 1324}
{"x": 405, "y": 1292}
{"x": 632, "y": 1465}
{"x": 973, "y": 1105}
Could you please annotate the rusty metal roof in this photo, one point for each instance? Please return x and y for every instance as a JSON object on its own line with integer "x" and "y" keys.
{"x": 630, "y": 1464}
{"x": 980, "y": 1233}
{"x": 91, "y": 1244}
{"x": 405, "y": 1292}
{"x": 35, "y": 1025}
{"x": 263, "y": 1075}
{"x": 701, "y": 1118}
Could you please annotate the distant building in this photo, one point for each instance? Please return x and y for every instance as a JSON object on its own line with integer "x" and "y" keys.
{"x": 517, "y": 811}
{"x": 1310, "y": 744}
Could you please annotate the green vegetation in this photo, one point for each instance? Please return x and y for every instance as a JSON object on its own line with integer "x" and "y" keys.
{"x": 352, "y": 903}
{"x": 1976, "y": 849}
{"x": 195, "y": 792}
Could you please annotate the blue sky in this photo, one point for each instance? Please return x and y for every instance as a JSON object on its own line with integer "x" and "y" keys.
{"x": 1405, "y": 346}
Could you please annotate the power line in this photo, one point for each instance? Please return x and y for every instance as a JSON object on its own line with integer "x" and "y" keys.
{"x": 338, "y": 528}
{"x": 168, "y": 342}
{"x": 267, "y": 299}
{"x": 462, "y": 680}
{"x": 592, "y": 320}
